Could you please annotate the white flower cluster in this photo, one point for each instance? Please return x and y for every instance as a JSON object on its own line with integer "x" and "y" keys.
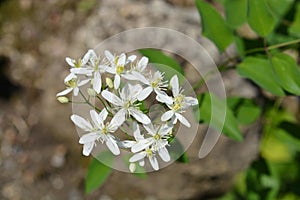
{"x": 128, "y": 84}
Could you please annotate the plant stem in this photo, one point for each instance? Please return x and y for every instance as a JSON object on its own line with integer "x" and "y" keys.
{"x": 87, "y": 101}
{"x": 273, "y": 46}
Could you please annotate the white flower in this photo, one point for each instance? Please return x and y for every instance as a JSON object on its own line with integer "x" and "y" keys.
{"x": 179, "y": 104}
{"x": 155, "y": 83}
{"x": 157, "y": 142}
{"x": 99, "y": 131}
{"x": 137, "y": 71}
{"x": 93, "y": 68}
{"x": 117, "y": 66}
{"x": 126, "y": 103}
{"x": 73, "y": 84}
{"x": 150, "y": 154}
{"x": 81, "y": 62}
{"x": 147, "y": 147}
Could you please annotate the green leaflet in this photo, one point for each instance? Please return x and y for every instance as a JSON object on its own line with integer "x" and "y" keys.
{"x": 214, "y": 26}
{"x": 260, "y": 71}
{"x": 98, "y": 172}
{"x": 235, "y": 12}
{"x": 229, "y": 126}
{"x": 260, "y": 18}
{"x": 157, "y": 57}
{"x": 295, "y": 27}
{"x": 287, "y": 72}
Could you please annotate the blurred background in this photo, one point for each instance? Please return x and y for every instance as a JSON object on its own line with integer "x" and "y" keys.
{"x": 40, "y": 157}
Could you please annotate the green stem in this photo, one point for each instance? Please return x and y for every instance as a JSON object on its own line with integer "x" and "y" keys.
{"x": 273, "y": 46}
{"x": 87, "y": 101}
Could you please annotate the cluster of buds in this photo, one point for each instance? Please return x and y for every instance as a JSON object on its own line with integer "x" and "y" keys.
{"x": 128, "y": 84}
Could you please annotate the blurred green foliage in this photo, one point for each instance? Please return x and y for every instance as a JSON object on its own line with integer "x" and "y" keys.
{"x": 270, "y": 59}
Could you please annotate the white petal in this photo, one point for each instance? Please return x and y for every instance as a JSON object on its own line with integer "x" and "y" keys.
{"x": 111, "y": 70}
{"x": 97, "y": 82}
{"x": 70, "y": 77}
{"x": 112, "y": 146}
{"x": 175, "y": 85}
{"x": 90, "y": 54}
{"x": 70, "y": 61}
{"x": 163, "y": 97}
{"x": 129, "y": 76}
{"x": 140, "y": 77}
{"x": 95, "y": 118}
{"x": 81, "y": 70}
{"x": 64, "y": 92}
{"x": 137, "y": 157}
{"x": 119, "y": 118}
{"x": 136, "y": 132}
{"x": 164, "y": 154}
{"x": 117, "y": 81}
{"x": 112, "y": 98}
{"x": 122, "y": 59}
{"x": 140, "y": 145}
{"x": 139, "y": 116}
{"x": 83, "y": 82}
{"x": 76, "y": 91}
{"x": 103, "y": 115}
{"x": 87, "y": 148}
{"x": 126, "y": 144}
{"x": 131, "y": 58}
{"x": 183, "y": 120}
{"x": 87, "y": 138}
{"x": 164, "y": 130}
{"x": 144, "y": 93}
{"x": 150, "y": 129}
{"x": 143, "y": 63}
{"x": 191, "y": 101}
{"x": 109, "y": 56}
{"x": 167, "y": 115}
{"x": 81, "y": 122}
{"x": 154, "y": 163}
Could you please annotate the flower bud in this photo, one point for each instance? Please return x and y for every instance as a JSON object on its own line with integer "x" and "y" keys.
{"x": 92, "y": 92}
{"x": 109, "y": 83}
{"x": 132, "y": 167}
{"x": 63, "y": 99}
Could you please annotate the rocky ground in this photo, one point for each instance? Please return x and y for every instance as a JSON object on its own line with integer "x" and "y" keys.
{"x": 40, "y": 157}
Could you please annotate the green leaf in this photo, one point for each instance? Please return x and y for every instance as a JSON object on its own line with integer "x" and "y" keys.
{"x": 157, "y": 57}
{"x": 287, "y": 72}
{"x": 214, "y": 26}
{"x": 260, "y": 17}
{"x": 245, "y": 110}
{"x": 294, "y": 29}
{"x": 260, "y": 71}
{"x": 98, "y": 172}
{"x": 235, "y": 12}
{"x": 230, "y": 127}
{"x": 279, "y": 8}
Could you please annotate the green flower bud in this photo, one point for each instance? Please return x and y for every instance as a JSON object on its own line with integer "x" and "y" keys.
{"x": 63, "y": 99}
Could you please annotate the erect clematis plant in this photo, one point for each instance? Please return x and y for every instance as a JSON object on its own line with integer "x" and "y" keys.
{"x": 129, "y": 84}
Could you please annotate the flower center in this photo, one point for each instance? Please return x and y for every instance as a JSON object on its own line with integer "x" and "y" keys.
{"x": 179, "y": 98}
{"x": 155, "y": 83}
{"x": 120, "y": 69}
{"x": 157, "y": 136}
{"x": 149, "y": 152}
{"x": 127, "y": 104}
{"x": 78, "y": 63}
{"x": 105, "y": 129}
{"x": 177, "y": 106}
{"x": 72, "y": 83}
